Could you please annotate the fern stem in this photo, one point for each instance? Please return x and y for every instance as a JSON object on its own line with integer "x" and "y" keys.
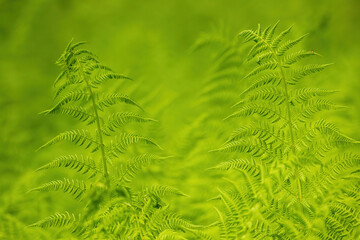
{"x": 288, "y": 109}
{"x": 101, "y": 142}
{"x": 283, "y": 76}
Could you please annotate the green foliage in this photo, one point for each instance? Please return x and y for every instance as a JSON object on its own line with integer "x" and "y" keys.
{"x": 113, "y": 209}
{"x": 286, "y": 184}
{"x": 189, "y": 91}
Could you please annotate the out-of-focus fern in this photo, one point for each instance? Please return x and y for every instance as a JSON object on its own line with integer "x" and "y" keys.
{"x": 225, "y": 70}
{"x": 113, "y": 209}
{"x": 292, "y": 177}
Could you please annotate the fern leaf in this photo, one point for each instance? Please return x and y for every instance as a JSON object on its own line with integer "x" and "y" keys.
{"x": 271, "y": 79}
{"x": 270, "y": 65}
{"x": 254, "y": 108}
{"x": 271, "y": 94}
{"x": 304, "y": 94}
{"x": 132, "y": 168}
{"x": 240, "y": 164}
{"x": 249, "y": 35}
{"x": 76, "y": 112}
{"x": 244, "y": 147}
{"x": 102, "y": 77}
{"x": 56, "y": 220}
{"x": 79, "y": 163}
{"x": 280, "y": 37}
{"x": 306, "y": 71}
{"x": 288, "y": 45}
{"x": 271, "y": 32}
{"x": 60, "y": 77}
{"x": 72, "y": 97}
{"x": 297, "y": 56}
{"x": 163, "y": 191}
{"x": 117, "y": 120}
{"x": 112, "y": 99}
{"x": 74, "y": 187}
{"x": 121, "y": 142}
{"x": 79, "y": 137}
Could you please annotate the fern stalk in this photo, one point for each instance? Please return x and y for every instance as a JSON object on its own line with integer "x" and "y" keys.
{"x": 286, "y": 92}
{"x": 98, "y": 125}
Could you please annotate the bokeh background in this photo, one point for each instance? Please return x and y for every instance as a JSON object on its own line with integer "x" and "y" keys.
{"x": 150, "y": 41}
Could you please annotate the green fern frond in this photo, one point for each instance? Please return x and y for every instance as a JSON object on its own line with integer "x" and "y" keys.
{"x": 271, "y": 94}
{"x": 267, "y": 66}
{"x": 134, "y": 165}
{"x": 72, "y": 96}
{"x": 76, "y": 112}
{"x": 162, "y": 191}
{"x": 117, "y": 120}
{"x": 240, "y": 164}
{"x": 271, "y": 79}
{"x": 305, "y": 71}
{"x": 252, "y": 149}
{"x": 275, "y": 42}
{"x": 304, "y": 94}
{"x": 74, "y": 187}
{"x": 121, "y": 142}
{"x": 112, "y": 99}
{"x": 297, "y": 56}
{"x": 79, "y": 163}
{"x": 56, "y": 220}
{"x": 267, "y": 112}
{"x": 79, "y": 137}
{"x": 264, "y": 132}
{"x": 288, "y": 45}
{"x": 102, "y": 77}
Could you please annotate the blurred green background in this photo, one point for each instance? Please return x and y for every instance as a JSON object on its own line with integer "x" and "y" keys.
{"x": 150, "y": 41}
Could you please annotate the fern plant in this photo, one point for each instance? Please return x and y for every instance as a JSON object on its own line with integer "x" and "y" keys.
{"x": 113, "y": 208}
{"x": 292, "y": 175}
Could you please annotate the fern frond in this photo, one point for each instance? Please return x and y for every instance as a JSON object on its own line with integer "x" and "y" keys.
{"x": 102, "y": 77}
{"x": 304, "y": 94}
{"x": 112, "y": 99}
{"x": 74, "y": 187}
{"x": 297, "y": 56}
{"x": 240, "y": 164}
{"x": 76, "y": 112}
{"x": 131, "y": 169}
{"x": 263, "y": 132}
{"x": 273, "y": 114}
{"x": 275, "y": 42}
{"x": 269, "y": 65}
{"x": 163, "y": 191}
{"x": 79, "y": 137}
{"x": 79, "y": 163}
{"x": 72, "y": 96}
{"x": 117, "y": 120}
{"x": 56, "y": 220}
{"x": 288, "y": 45}
{"x": 306, "y": 71}
{"x": 271, "y": 94}
{"x": 314, "y": 106}
{"x": 254, "y": 150}
{"x": 121, "y": 142}
{"x": 271, "y": 79}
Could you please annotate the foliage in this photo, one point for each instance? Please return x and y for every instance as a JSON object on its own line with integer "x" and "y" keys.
{"x": 184, "y": 89}
{"x": 293, "y": 169}
{"x": 112, "y": 208}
